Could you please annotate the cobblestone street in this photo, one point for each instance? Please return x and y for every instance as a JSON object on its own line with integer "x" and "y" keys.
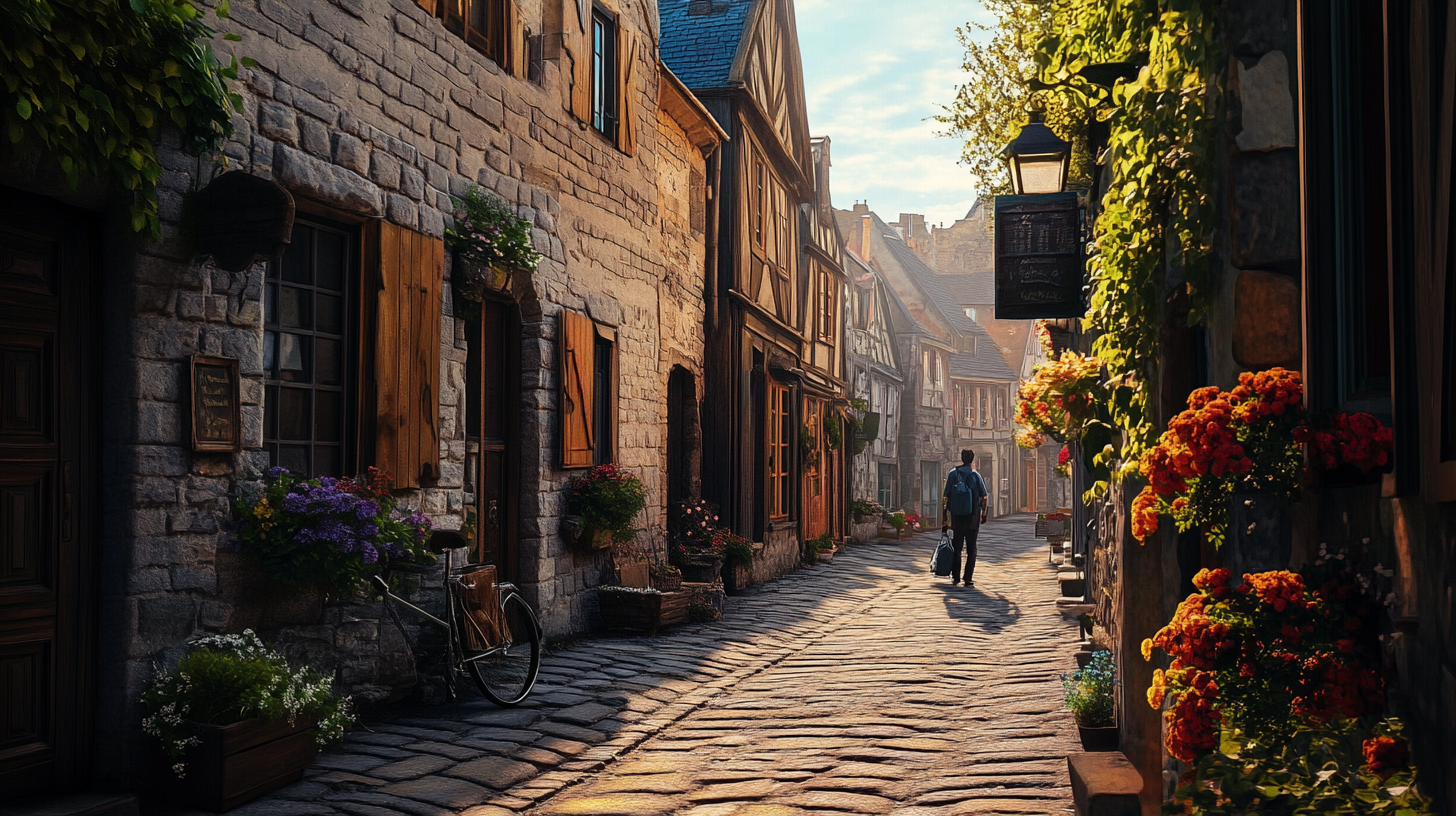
{"x": 860, "y": 686}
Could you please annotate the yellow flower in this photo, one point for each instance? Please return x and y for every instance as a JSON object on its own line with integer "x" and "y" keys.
{"x": 1147, "y": 649}
{"x": 1159, "y": 688}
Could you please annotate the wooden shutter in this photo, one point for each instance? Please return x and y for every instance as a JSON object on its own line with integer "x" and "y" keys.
{"x": 515, "y": 51}
{"x": 626, "y": 73}
{"x": 578, "y": 39}
{"x": 578, "y": 337}
{"x": 430, "y": 6}
{"x": 406, "y": 362}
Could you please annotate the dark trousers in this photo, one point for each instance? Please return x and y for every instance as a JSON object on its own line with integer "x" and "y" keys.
{"x": 963, "y": 533}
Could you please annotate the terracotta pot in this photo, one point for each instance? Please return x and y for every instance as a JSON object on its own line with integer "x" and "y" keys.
{"x": 1098, "y": 739}
{"x": 240, "y": 762}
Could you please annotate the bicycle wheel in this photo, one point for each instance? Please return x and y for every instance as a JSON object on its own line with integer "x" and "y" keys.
{"x": 506, "y": 675}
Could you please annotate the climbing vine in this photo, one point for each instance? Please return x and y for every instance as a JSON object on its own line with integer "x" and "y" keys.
{"x": 1154, "y": 231}
{"x": 93, "y": 82}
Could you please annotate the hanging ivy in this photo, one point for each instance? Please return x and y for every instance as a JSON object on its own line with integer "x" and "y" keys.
{"x": 94, "y": 81}
{"x": 1157, "y": 213}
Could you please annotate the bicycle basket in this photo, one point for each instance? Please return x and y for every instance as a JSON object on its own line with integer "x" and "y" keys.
{"x": 481, "y": 627}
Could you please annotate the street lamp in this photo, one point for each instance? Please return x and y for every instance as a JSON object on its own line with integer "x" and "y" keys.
{"x": 1038, "y": 159}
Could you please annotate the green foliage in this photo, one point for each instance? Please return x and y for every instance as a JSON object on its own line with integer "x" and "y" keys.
{"x": 833, "y": 432}
{"x": 94, "y": 81}
{"x": 1314, "y": 772}
{"x": 1089, "y": 691}
{"x": 326, "y": 532}
{"x": 991, "y": 107}
{"x": 488, "y": 232}
{"x": 607, "y": 498}
{"x": 866, "y": 508}
{"x": 229, "y": 678}
{"x": 1157, "y": 207}
{"x": 736, "y": 548}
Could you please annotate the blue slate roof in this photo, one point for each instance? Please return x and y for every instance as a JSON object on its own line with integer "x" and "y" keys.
{"x": 700, "y": 48}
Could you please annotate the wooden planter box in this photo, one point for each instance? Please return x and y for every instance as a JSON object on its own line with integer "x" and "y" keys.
{"x": 701, "y": 571}
{"x": 642, "y": 611}
{"x": 240, "y": 762}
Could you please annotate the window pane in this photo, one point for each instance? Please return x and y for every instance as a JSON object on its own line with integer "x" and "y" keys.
{"x": 331, "y": 260}
{"x": 298, "y": 258}
{"x": 599, "y": 69}
{"x": 270, "y": 412}
{"x": 327, "y": 460}
{"x": 330, "y": 314}
{"x": 329, "y": 361}
{"x": 475, "y": 15}
{"x": 293, "y": 457}
{"x": 270, "y": 352}
{"x": 294, "y": 413}
{"x": 328, "y": 416}
{"x": 270, "y": 303}
{"x": 295, "y": 308}
{"x": 294, "y": 358}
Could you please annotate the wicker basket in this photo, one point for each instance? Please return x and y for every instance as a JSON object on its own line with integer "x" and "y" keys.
{"x": 482, "y": 626}
{"x": 667, "y": 583}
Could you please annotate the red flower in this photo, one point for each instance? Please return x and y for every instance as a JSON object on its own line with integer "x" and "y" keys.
{"x": 1385, "y": 756}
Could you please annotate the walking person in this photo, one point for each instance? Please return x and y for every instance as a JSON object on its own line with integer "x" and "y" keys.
{"x": 963, "y": 513}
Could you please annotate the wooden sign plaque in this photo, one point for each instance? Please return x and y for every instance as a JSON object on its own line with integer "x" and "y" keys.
{"x": 216, "y": 415}
{"x": 1039, "y": 269}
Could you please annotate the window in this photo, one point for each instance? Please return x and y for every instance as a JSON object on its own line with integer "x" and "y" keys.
{"x": 829, "y": 297}
{"x": 489, "y": 26}
{"x": 588, "y": 392}
{"x": 1000, "y": 407}
{"x": 780, "y": 436}
{"x": 760, "y": 191}
{"x": 308, "y": 348}
{"x": 604, "y": 72}
{"x": 886, "y": 485}
{"x": 983, "y": 407}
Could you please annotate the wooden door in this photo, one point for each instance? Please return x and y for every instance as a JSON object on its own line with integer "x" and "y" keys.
{"x": 47, "y": 462}
{"x": 815, "y": 510}
{"x": 1028, "y": 486}
{"x": 492, "y": 364}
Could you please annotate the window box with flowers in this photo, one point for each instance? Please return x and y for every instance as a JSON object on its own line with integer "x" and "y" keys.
{"x": 1059, "y": 401}
{"x": 235, "y": 721}
{"x": 326, "y": 533}
{"x": 606, "y": 500}
{"x": 1271, "y": 685}
{"x": 1233, "y": 461}
{"x": 866, "y": 510}
{"x": 488, "y": 240}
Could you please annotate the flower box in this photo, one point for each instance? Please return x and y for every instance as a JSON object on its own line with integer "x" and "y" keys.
{"x": 642, "y": 611}
{"x": 701, "y": 569}
{"x": 669, "y": 582}
{"x": 237, "y": 763}
{"x": 1098, "y": 739}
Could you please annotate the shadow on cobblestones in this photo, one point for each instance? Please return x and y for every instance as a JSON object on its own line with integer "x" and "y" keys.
{"x": 864, "y": 686}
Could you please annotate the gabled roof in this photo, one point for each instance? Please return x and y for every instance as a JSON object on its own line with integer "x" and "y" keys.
{"x": 943, "y": 292}
{"x": 701, "y": 48}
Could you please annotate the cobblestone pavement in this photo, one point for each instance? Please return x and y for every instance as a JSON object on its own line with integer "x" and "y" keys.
{"x": 860, "y": 686}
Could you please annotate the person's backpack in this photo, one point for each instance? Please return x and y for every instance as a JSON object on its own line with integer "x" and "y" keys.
{"x": 961, "y": 499}
{"x": 944, "y": 557}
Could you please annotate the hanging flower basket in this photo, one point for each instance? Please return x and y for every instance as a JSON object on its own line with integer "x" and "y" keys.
{"x": 474, "y": 279}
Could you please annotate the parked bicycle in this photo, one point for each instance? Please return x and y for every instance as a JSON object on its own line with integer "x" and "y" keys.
{"x": 491, "y": 632}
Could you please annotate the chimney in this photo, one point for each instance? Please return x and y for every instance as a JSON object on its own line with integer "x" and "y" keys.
{"x": 861, "y": 208}
{"x": 864, "y": 235}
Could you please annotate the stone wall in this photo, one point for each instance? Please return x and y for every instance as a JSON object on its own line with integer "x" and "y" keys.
{"x": 369, "y": 109}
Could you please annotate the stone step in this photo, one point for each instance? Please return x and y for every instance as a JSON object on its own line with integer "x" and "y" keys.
{"x": 74, "y": 804}
{"x": 1104, "y": 784}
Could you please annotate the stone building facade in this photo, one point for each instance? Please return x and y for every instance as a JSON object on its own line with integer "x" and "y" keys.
{"x": 876, "y": 377}
{"x": 371, "y": 114}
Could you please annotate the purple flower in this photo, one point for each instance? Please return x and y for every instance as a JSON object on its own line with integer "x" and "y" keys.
{"x": 275, "y": 472}
{"x": 366, "y": 510}
{"x": 371, "y": 555}
{"x": 369, "y": 531}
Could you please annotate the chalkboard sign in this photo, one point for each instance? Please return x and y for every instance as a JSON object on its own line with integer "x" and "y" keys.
{"x": 1039, "y": 269}
{"x": 216, "y": 415}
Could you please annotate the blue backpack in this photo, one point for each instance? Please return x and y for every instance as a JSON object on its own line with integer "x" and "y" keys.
{"x": 964, "y": 496}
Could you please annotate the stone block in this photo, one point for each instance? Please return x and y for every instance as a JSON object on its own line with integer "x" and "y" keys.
{"x": 159, "y": 460}
{"x": 1267, "y": 117}
{"x": 401, "y": 210}
{"x": 352, "y": 154}
{"x": 1104, "y": 784}
{"x": 166, "y": 620}
{"x": 159, "y": 423}
{"x": 1267, "y": 321}
{"x": 412, "y": 183}
{"x": 385, "y": 170}
{"x": 278, "y": 123}
{"x": 1266, "y": 209}
{"x": 316, "y": 139}
{"x": 326, "y": 183}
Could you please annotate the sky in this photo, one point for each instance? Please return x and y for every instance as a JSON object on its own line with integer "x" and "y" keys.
{"x": 875, "y": 71}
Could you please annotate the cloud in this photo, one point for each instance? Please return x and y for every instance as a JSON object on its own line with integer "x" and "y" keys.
{"x": 876, "y": 72}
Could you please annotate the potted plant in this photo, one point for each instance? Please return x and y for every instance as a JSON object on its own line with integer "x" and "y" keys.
{"x": 235, "y": 721}
{"x": 640, "y": 609}
{"x": 488, "y": 240}
{"x": 737, "y": 558}
{"x": 698, "y": 542}
{"x": 866, "y": 510}
{"x": 898, "y": 520}
{"x": 819, "y": 549}
{"x": 666, "y": 578}
{"x": 607, "y": 499}
{"x": 328, "y": 533}
{"x": 1347, "y": 450}
{"x": 1088, "y": 693}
